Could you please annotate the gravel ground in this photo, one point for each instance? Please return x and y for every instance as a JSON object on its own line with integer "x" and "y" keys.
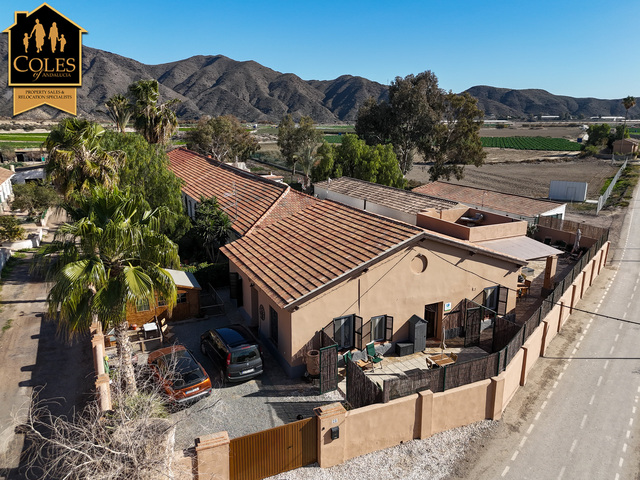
{"x": 434, "y": 458}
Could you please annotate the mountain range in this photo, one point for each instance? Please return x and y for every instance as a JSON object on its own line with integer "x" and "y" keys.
{"x": 217, "y": 85}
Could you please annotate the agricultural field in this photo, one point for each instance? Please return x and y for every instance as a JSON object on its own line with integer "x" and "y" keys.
{"x": 531, "y": 143}
{"x": 18, "y": 141}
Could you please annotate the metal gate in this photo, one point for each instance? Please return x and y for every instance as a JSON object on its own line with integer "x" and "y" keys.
{"x": 274, "y": 451}
{"x": 473, "y": 320}
{"x": 328, "y": 368}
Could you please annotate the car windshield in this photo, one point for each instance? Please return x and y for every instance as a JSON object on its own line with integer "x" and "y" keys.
{"x": 187, "y": 371}
{"x": 245, "y": 355}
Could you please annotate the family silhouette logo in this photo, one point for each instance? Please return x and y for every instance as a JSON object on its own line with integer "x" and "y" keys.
{"x": 45, "y": 60}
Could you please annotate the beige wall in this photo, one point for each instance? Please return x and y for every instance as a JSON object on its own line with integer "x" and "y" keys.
{"x": 512, "y": 378}
{"x": 462, "y": 406}
{"x": 493, "y": 225}
{"x": 392, "y": 287}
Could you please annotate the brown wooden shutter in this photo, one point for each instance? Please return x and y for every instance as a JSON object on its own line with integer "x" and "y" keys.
{"x": 388, "y": 328}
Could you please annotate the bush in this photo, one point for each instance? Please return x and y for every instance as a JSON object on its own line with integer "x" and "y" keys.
{"x": 590, "y": 150}
{"x": 10, "y": 229}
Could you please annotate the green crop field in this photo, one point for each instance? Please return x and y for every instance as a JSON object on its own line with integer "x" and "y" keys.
{"x": 23, "y": 137}
{"x": 634, "y": 131}
{"x": 531, "y": 143}
{"x": 333, "y": 138}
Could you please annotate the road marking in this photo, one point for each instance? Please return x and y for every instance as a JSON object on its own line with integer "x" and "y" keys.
{"x": 573, "y": 445}
{"x": 574, "y": 351}
{"x": 624, "y": 448}
{"x": 611, "y": 351}
{"x": 628, "y": 304}
{"x": 555, "y": 384}
{"x": 561, "y": 472}
{"x": 621, "y": 462}
{"x": 593, "y": 397}
{"x": 565, "y": 366}
{"x": 584, "y": 419}
{"x": 504, "y": 472}
{"x": 590, "y": 320}
{"x": 582, "y": 338}
{"x": 599, "y": 380}
{"x": 530, "y": 429}
{"x": 632, "y": 296}
{"x": 538, "y": 415}
{"x": 635, "y": 287}
{"x": 624, "y": 316}
{"x": 628, "y": 433}
{"x": 617, "y": 476}
{"x": 606, "y": 364}
{"x": 634, "y": 410}
{"x": 620, "y": 327}
{"x": 560, "y": 376}
{"x": 630, "y": 421}
{"x": 544, "y": 404}
{"x": 617, "y": 336}
{"x": 549, "y": 395}
{"x": 524, "y": 439}
{"x": 515, "y": 455}
{"x": 578, "y": 345}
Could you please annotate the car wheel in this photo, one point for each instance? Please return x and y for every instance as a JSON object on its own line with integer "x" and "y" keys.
{"x": 222, "y": 378}
{"x": 203, "y": 349}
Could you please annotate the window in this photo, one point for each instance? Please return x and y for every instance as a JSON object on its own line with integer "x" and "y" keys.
{"x": 378, "y": 328}
{"x": 343, "y": 329}
{"x": 491, "y": 298}
{"x": 182, "y": 298}
{"x": 273, "y": 326}
{"x": 161, "y": 301}
{"x": 142, "y": 305}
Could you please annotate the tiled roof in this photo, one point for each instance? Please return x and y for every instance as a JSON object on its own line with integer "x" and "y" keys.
{"x": 479, "y": 197}
{"x": 290, "y": 202}
{"x": 402, "y": 200}
{"x": 5, "y": 174}
{"x": 245, "y": 197}
{"x": 303, "y": 252}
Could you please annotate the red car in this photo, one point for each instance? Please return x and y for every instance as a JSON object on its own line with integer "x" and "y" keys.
{"x": 181, "y": 376}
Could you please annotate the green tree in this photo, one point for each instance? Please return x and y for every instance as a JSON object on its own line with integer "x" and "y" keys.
{"x": 34, "y": 197}
{"x": 354, "y": 158}
{"x": 212, "y": 226}
{"x": 224, "y": 138}
{"x": 599, "y": 134}
{"x": 77, "y": 160}
{"x": 155, "y": 121}
{"x": 415, "y": 119}
{"x": 146, "y": 172}
{"x": 119, "y": 110}
{"x": 10, "y": 229}
{"x": 111, "y": 256}
{"x": 628, "y": 102}
{"x": 297, "y": 142}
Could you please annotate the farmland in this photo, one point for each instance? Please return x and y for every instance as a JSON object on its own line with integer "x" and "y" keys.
{"x": 531, "y": 143}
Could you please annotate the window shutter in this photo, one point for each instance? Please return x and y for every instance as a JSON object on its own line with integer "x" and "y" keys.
{"x": 366, "y": 334}
{"x": 358, "y": 332}
{"x": 389, "y": 329}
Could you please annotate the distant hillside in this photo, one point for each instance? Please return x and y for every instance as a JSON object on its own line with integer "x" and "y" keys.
{"x": 217, "y": 85}
{"x": 503, "y": 102}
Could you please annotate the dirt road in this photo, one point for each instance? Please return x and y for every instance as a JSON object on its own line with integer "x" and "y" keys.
{"x": 31, "y": 357}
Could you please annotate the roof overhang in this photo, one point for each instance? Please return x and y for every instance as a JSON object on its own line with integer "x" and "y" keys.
{"x": 521, "y": 247}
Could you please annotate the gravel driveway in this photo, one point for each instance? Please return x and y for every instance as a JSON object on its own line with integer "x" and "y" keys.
{"x": 268, "y": 401}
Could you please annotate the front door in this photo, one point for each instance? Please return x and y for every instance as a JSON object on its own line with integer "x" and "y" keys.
{"x": 431, "y": 316}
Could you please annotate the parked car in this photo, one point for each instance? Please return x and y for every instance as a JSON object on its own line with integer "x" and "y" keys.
{"x": 234, "y": 351}
{"x": 181, "y": 376}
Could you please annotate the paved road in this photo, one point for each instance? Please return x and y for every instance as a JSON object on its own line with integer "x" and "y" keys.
{"x": 577, "y": 417}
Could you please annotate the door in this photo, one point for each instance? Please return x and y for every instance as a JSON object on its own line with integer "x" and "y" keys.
{"x": 431, "y": 316}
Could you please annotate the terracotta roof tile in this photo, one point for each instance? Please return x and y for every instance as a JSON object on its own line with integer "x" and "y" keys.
{"x": 245, "y": 197}
{"x": 402, "y": 200}
{"x": 515, "y": 204}
{"x": 309, "y": 249}
{"x": 5, "y": 174}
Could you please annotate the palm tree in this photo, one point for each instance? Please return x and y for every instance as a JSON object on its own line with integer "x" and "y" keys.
{"x": 120, "y": 111}
{"x": 306, "y": 158}
{"x": 110, "y": 257}
{"x": 154, "y": 121}
{"x": 628, "y": 102}
{"x": 76, "y": 159}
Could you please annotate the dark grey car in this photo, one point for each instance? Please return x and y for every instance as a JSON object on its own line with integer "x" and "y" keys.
{"x": 234, "y": 351}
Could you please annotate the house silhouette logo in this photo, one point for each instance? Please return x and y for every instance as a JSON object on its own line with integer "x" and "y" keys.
{"x": 45, "y": 60}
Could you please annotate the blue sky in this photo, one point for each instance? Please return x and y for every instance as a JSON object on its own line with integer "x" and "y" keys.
{"x": 572, "y": 48}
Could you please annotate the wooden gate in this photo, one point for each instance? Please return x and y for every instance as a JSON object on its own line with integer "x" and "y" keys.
{"x": 274, "y": 451}
{"x": 328, "y": 369}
